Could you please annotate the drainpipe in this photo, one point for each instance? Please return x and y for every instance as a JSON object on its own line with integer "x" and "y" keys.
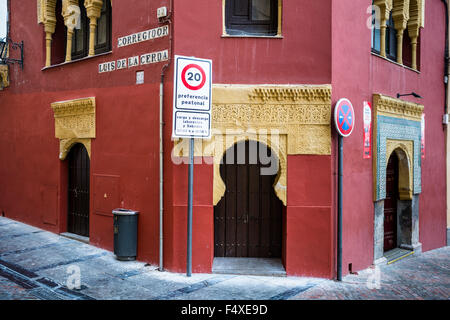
{"x": 446, "y": 117}
{"x": 446, "y": 56}
{"x": 161, "y": 142}
{"x": 161, "y": 171}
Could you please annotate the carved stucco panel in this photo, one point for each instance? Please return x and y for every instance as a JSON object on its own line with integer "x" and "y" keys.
{"x": 74, "y": 123}
{"x": 291, "y": 120}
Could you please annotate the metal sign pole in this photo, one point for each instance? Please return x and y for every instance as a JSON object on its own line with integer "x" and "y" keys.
{"x": 191, "y": 119}
{"x": 190, "y": 198}
{"x": 340, "y": 192}
{"x": 344, "y": 119}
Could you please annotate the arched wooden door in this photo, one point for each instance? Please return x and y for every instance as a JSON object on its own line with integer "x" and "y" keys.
{"x": 248, "y": 219}
{"x": 78, "y": 191}
{"x": 390, "y": 204}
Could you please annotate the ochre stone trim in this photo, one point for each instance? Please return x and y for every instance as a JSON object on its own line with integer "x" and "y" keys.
{"x": 93, "y": 11}
{"x": 67, "y": 144}
{"x": 385, "y": 7}
{"x": 46, "y": 15}
{"x": 406, "y": 14}
{"x": 397, "y": 108}
{"x": 74, "y": 122}
{"x": 4, "y": 76}
{"x": 291, "y": 120}
{"x": 414, "y": 24}
{"x": 277, "y": 143}
{"x": 295, "y": 94}
{"x": 69, "y": 21}
{"x": 405, "y": 153}
{"x": 400, "y": 14}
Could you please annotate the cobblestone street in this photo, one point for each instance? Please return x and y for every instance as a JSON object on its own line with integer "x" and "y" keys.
{"x": 423, "y": 277}
{"x": 38, "y": 265}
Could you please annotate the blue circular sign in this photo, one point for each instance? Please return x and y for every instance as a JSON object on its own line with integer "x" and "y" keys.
{"x": 344, "y": 117}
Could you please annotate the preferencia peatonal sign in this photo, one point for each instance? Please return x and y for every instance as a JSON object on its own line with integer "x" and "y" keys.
{"x": 192, "y": 98}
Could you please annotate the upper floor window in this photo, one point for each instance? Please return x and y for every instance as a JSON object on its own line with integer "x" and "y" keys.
{"x": 75, "y": 29}
{"x": 251, "y": 17}
{"x": 103, "y": 31}
{"x": 391, "y": 39}
{"x": 376, "y": 45}
{"x": 80, "y": 40}
{"x": 80, "y": 37}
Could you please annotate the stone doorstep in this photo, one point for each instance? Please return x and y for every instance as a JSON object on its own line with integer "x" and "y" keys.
{"x": 397, "y": 254}
{"x": 75, "y": 237}
{"x": 249, "y": 266}
{"x": 448, "y": 236}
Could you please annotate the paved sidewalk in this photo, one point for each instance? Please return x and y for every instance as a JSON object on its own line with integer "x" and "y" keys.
{"x": 39, "y": 265}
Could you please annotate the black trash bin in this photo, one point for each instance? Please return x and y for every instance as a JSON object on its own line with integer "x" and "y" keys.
{"x": 125, "y": 234}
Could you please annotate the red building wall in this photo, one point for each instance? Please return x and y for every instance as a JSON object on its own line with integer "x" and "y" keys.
{"x": 317, "y": 47}
{"x": 290, "y": 60}
{"x": 126, "y": 147}
{"x": 357, "y": 75}
{"x": 297, "y": 58}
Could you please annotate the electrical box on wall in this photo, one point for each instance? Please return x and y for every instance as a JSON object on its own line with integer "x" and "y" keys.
{"x": 162, "y": 12}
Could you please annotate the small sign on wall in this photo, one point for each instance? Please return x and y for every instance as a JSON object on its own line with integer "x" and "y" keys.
{"x": 145, "y": 59}
{"x": 367, "y": 130}
{"x": 139, "y": 77}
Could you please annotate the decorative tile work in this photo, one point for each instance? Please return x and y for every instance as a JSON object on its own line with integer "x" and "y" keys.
{"x": 396, "y": 129}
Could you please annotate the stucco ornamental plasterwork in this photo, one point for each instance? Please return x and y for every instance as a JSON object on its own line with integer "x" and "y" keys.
{"x": 46, "y": 15}
{"x": 397, "y": 126}
{"x": 74, "y": 123}
{"x": 291, "y": 120}
{"x": 407, "y": 14}
{"x": 4, "y": 76}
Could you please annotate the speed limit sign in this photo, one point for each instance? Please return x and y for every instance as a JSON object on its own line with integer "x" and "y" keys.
{"x": 193, "y": 77}
{"x": 192, "y": 98}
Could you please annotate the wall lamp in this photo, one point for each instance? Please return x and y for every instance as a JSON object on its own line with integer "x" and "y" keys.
{"x": 415, "y": 95}
{"x": 4, "y": 59}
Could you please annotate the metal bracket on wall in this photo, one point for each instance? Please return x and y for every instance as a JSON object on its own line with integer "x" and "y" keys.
{"x": 4, "y": 51}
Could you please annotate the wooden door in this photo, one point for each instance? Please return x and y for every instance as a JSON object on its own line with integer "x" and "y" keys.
{"x": 247, "y": 220}
{"x": 390, "y": 204}
{"x": 78, "y": 197}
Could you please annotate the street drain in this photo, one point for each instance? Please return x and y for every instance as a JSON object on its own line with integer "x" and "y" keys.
{"x": 45, "y": 294}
